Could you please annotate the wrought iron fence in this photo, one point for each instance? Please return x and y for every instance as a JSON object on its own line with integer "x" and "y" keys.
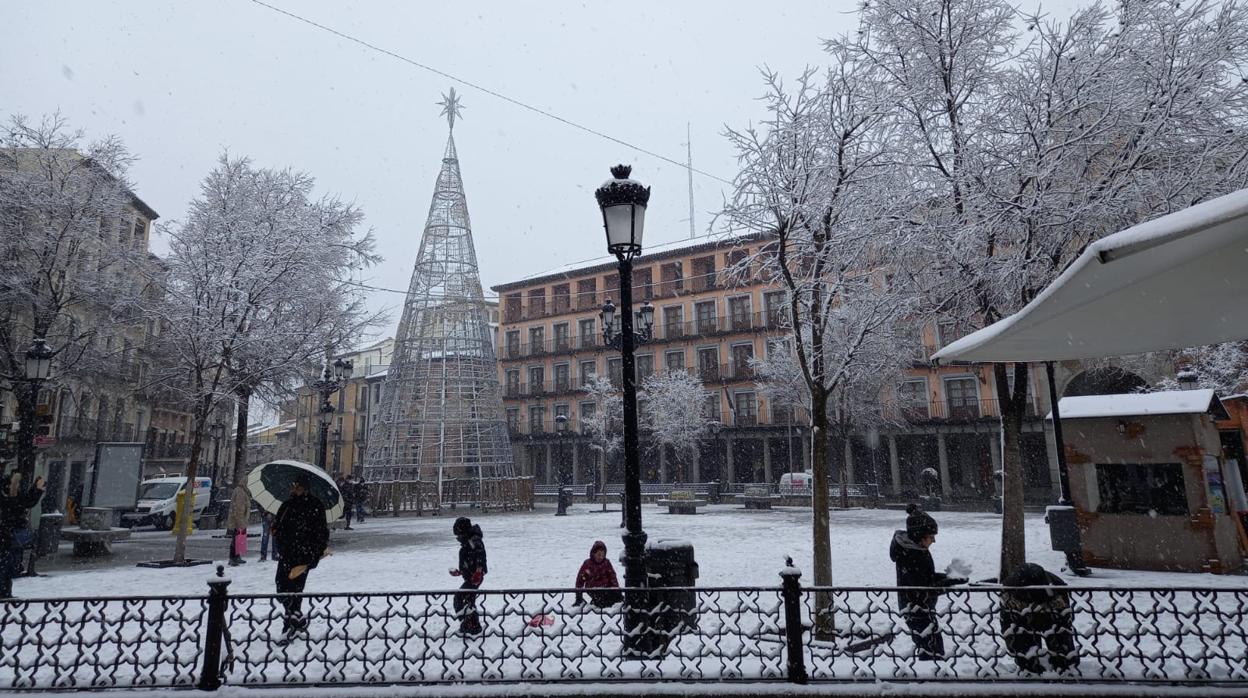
{"x": 783, "y": 633}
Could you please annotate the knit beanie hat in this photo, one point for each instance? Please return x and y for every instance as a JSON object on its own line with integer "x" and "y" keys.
{"x": 462, "y": 526}
{"x": 919, "y": 523}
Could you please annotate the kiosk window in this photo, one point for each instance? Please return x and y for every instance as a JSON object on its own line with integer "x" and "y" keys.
{"x": 1132, "y": 488}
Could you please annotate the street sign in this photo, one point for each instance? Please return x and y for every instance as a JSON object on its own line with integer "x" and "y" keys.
{"x": 44, "y": 441}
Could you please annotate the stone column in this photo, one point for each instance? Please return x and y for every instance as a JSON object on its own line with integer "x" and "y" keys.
{"x": 849, "y": 462}
{"x": 894, "y": 463}
{"x": 729, "y": 470}
{"x": 942, "y": 453}
{"x": 663, "y": 463}
{"x": 767, "y": 460}
{"x": 695, "y": 468}
{"x": 550, "y": 470}
{"x": 576, "y": 463}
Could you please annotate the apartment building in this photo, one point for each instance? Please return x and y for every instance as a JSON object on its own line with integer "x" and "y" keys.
{"x": 550, "y": 346}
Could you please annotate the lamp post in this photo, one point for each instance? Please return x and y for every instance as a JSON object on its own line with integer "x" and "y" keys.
{"x": 38, "y": 369}
{"x": 333, "y": 378}
{"x": 623, "y": 202}
{"x": 217, "y": 431}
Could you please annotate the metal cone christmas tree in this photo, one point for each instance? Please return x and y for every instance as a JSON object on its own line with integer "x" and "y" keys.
{"x": 441, "y": 416}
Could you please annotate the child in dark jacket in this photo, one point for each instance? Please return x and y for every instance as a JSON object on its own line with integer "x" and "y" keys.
{"x": 1036, "y": 620}
{"x": 596, "y": 573}
{"x": 909, "y": 551}
{"x": 472, "y": 568}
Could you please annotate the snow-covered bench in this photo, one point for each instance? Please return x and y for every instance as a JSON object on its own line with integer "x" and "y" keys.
{"x": 94, "y": 543}
{"x": 757, "y": 497}
{"x": 681, "y": 502}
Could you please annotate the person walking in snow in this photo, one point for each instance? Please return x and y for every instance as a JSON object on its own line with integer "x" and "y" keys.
{"x": 15, "y": 533}
{"x": 302, "y": 534}
{"x": 361, "y": 497}
{"x": 597, "y": 576}
{"x": 910, "y": 553}
{"x": 472, "y": 569}
{"x": 1035, "y": 619}
{"x": 346, "y": 490}
{"x": 236, "y": 523}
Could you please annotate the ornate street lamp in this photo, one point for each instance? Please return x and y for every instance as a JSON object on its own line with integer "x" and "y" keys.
{"x": 216, "y": 430}
{"x": 38, "y": 369}
{"x": 623, "y": 202}
{"x": 333, "y": 378}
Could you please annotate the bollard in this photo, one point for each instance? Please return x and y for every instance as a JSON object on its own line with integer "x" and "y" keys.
{"x": 218, "y": 598}
{"x": 791, "y": 592}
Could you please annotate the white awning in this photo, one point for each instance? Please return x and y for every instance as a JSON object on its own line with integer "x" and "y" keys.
{"x": 1173, "y": 282}
{"x": 1141, "y": 405}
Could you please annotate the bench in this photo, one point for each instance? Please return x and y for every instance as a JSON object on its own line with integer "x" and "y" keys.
{"x": 89, "y": 543}
{"x": 681, "y": 502}
{"x": 758, "y": 497}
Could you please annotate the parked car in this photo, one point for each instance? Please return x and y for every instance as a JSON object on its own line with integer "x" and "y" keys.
{"x": 158, "y": 499}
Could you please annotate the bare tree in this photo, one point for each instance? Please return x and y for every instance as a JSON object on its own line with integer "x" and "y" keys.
{"x": 603, "y": 426}
{"x": 256, "y": 287}
{"x": 673, "y": 409}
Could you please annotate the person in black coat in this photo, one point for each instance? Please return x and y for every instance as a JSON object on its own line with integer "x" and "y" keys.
{"x": 15, "y": 507}
{"x": 302, "y": 534}
{"x": 1033, "y": 619}
{"x": 909, "y": 552}
{"x": 472, "y": 569}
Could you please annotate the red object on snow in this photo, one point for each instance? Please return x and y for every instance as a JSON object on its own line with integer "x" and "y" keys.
{"x": 541, "y": 620}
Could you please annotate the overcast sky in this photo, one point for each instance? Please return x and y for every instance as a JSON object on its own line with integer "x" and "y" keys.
{"x": 180, "y": 82}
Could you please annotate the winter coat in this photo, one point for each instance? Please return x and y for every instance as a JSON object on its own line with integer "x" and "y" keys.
{"x": 347, "y": 491}
{"x": 240, "y": 509}
{"x": 1030, "y": 617}
{"x": 472, "y": 554}
{"x": 915, "y": 569}
{"x": 360, "y": 491}
{"x": 301, "y": 531}
{"x": 14, "y": 512}
{"x": 594, "y": 574}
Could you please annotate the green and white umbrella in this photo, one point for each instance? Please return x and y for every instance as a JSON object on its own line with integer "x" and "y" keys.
{"x": 269, "y": 485}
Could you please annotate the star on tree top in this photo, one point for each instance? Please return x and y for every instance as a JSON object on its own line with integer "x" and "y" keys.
{"x": 451, "y": 107}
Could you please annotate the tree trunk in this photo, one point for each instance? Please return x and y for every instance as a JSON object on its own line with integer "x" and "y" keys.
{"x": 1013, "y": 404}
{"x": 192, "y": 471}
{"x": 821, "y": 533}
{"x": 243, "y": 401}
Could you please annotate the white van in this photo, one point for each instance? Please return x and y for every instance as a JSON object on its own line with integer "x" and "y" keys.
{"x": 158, "y": 498}
{"x": 796, "y": 484}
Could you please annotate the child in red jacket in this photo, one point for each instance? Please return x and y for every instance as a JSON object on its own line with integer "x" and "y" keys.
{"x": 597, "y": 573}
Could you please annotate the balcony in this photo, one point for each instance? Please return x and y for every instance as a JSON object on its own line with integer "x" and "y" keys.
{"x": 92, "y": 430}
{"x": 951, "y": 410}
{"x": 168, "y": 451}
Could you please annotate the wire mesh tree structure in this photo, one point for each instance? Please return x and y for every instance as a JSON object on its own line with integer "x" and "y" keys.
{"x": 441, "y": 411}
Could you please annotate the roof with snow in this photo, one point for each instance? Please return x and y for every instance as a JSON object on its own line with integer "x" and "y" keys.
{"x": 1141, "y": 404}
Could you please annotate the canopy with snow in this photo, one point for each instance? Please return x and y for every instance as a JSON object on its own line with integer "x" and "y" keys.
{"x": 1141, "y": 404}
{"x": 1173, "y": 282}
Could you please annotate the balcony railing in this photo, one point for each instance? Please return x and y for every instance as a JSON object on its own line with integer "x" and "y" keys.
{"x": 168, "y": 451}
{"x": 92, "y": 430}
{"x": 952, "y": 410}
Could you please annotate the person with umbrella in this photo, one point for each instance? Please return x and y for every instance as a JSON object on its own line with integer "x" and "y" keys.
{"x": 301, "y": 532}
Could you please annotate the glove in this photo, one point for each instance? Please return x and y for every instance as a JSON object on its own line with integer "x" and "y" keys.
{"x": 477, "y": 577}
{"x": 454, "y": 572}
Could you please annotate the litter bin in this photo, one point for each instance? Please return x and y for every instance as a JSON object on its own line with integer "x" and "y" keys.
{"x": 589, "y": 493}
{"x": 565, "y": 501}
{"x": 712, "y": 492}
{"x": 49, "y": 534}
{"x": 1063, "y": 529}
{"x": 671, "y": 563}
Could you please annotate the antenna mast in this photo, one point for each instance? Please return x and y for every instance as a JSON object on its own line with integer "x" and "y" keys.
{"x": 689, "y": 171}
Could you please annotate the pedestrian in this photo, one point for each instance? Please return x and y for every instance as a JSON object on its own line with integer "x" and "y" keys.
{"x": 302, "y": 534}
{"x": 361, "y": 497}
{"x": 910, "y": 552}
{"x": 1034, "y": 620}
{"x": 266, "y": 535}
{"x": 15, "y": 533}
{"x": 236, "y": 525}
{"x": 346, "y": 490}
{"x": 472, "y": 569}
{"x": 597, "y": 574}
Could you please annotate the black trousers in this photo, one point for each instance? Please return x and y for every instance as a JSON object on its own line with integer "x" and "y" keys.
{"x": 466, "y": 608}
{"x": 926, "y": 633}
{"x": 293, "y": 619}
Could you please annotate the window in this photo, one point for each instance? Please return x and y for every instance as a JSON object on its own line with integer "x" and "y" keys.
{"x": 674, "y": 360}
{"x": 562, "y": 342}
{"x": 746, "y": 409}
{"x": 537, "y": 340}
{"x": 537, "y": 303}
{"x": 703, "y": 273}
{"x": 586, "y": 294}
{"x": 140, "y": 231}
{"x": 561, "y": 297}
{"x": 645, "y": 366}
{"x": 513, "y": 383}
{"x": 779, "y": 346}
{"x": 708, "y": 363}
{"x": 739, "y": 312}
{"x": 513, "y": 344}
{"x": 589, "y": 369}
{"x": 615, "y": 372}
{"x": 674, "y": 321}
{"x": 643, "y": 284}
{"x": 782, "y": 414}
{"x": 587, "y": 414}
{"x": 589, "y": 333}
{"x": 561, "y": 378}
{"x": 733, "y": 257}
{"x": 672, "y": 276}
{"x": 537, "y": 380}
{"x": 611, "y": 286}
{"x": 912, "y": 399}
{"x": 511, "y": 308}
{"x": 537, "y": 415}
{"x": 1141, "y": 489}
{"x": 513, "y": 419}
{"x": 774, "y": 307}
{"x": 704, "y": 313}
{"x": 710, "y": 408}
{"x": 947, "y": 332}
{"x": 962, "y": 397}
{"x": 562, "y": 411}
{"x": 742, "y": 354}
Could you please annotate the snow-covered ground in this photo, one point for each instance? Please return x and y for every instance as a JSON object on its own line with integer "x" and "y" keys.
{"x": 536, "y": 549}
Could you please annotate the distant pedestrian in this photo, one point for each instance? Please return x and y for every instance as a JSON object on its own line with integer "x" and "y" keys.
{"x": 472, "y": 568}
{"x": 236, "y": 524}
{"x": 597, "y": 577}
{"x": 346, "y": 490}
{"x": 1036, "y": 620}
{"x": 361, "y": 497}
{"x": 910, "y": 552}
{"x": 302, "y": 534}
{"x": 266, "y": 537}
{"x": 15, "y": 533}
